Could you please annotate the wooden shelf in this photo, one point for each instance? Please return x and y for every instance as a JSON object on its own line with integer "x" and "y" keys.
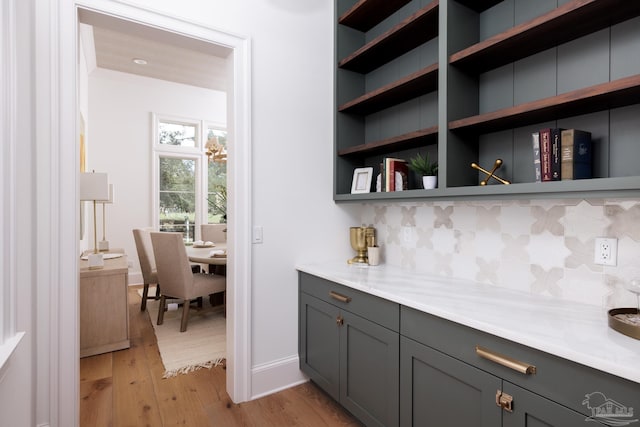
{"x": 565, "y": 23}
{"x": 618, "y": 93}
{"x": 417, "y": 29}
{"x": 479, "y": 5}
{"x": 412, "y": 86}
{"x": 401, "y": 142}
{"x": 366, "y": 14}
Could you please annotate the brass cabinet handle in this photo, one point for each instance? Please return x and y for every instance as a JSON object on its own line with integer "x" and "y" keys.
{"x": 339, "y": 297}
{"x": 516, "y": 365}
{"x": 339, "y": 320}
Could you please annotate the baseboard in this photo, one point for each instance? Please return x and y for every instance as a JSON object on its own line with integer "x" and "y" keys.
{"x": 135, "y": 279}
{"x": 275, "y": 376}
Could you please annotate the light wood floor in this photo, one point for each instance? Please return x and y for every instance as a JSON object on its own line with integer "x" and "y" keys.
{"x": 125, "y": 388}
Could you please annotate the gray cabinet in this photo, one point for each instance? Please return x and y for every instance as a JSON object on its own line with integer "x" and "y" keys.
{"x": 446, "y": 363}
{"x": 390, "y": 365}
{"x": 438, "y": 390}
{"x": 347, "y": 348}
{"x": 468, "y": 81}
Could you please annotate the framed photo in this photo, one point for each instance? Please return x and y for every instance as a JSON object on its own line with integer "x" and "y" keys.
{"x": 361, "y": 180}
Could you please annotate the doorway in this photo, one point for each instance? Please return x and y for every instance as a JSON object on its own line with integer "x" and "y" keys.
{"x": 239, "y": 172}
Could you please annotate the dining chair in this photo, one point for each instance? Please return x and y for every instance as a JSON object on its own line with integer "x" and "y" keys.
{"x": 147, "y": 264}
{"x": 216, "y": 233}
{"x": 177, "y": 278}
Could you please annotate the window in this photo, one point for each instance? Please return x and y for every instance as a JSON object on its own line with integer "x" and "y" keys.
{"x": 191, "y": 189}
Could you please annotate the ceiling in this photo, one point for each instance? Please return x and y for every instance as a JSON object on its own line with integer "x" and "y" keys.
{"x": 113, "y": 44}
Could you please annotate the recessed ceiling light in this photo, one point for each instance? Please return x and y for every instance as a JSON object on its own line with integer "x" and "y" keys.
{"x": 139, "y": 61}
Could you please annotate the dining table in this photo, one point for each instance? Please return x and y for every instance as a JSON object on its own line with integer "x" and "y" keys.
{"x": 208, "y": 254}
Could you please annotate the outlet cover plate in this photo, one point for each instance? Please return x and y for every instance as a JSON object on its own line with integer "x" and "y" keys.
{"x": 605, "y": 251}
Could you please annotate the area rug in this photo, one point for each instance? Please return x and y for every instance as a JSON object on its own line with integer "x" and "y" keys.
{"x": 202, "y": 345}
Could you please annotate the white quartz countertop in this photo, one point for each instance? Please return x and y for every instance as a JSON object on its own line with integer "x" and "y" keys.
{"x": 571, "y": 330}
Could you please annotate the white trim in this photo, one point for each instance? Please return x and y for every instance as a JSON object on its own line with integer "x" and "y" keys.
{"x": 7, "y": 348}
{"x": 8, "y": 129}
{"x": 239, "y": 178}
{"x": 269, "y": 377}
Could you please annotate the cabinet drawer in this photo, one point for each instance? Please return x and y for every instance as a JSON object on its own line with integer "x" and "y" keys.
{"x": 378, "y": 310}
{"x": 558, "y": 379}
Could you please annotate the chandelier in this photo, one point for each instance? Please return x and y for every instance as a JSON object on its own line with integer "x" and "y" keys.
{"x": 215, "y": 151}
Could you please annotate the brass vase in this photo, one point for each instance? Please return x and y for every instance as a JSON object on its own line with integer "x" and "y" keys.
{"x": 361, "y": 238}
{"x": 358, "y": 238}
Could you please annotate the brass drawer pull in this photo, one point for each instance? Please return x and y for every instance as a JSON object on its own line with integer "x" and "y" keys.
{"x": 516, "y": 365}
{"x": 339, "y": 297}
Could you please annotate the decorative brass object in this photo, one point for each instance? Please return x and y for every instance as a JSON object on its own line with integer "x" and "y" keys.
{"x": 506, "y": 361}
{"x": 490, "y": 175}
{"x": 504, "y": 400}
{"x": 361, "y": 238}
{"x": 340, "y": 297}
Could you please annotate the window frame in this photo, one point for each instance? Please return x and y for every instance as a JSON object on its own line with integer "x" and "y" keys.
{"x": 196, "y": 153}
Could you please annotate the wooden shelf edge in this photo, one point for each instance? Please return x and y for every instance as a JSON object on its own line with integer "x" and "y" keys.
{"x": 563, "y": 24}
{"x": 407, "y": 140}
{"x": 396, "y": 41}
{"x": 618, "y": 187}
{"x": 614, "y": 94}
{"x": 419, "y": 83}
{"x": 366, "y": 14}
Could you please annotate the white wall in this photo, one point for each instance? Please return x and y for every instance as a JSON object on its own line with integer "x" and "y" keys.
{"x": 292, "y": 134}
{"x": 120, "y": 143}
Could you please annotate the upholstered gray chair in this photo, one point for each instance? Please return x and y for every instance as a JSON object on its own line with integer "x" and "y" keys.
{"x": 177, "y": 278}
{"x": 147, "y": 264}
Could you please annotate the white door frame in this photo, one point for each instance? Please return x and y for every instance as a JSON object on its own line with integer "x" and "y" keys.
{"x": 64, "y": 29}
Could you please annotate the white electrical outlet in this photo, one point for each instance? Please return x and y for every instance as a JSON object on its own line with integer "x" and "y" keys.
{"x": 606, "y": 251}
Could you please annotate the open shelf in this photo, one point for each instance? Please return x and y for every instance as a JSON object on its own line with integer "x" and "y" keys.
{"x": 565, "y": 23}
{"x": 415, "y": 30}
{"x": 397, "y": 143}
{"x": 409, "y": 87}
{"x": 618, "y": 93}
{"x": 366, "y": 14}
{"x": 479, "y": 5}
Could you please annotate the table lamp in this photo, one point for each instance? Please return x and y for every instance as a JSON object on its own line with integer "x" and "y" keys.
{"x": 103, "y": 245}
{"x": 94, "y": 187}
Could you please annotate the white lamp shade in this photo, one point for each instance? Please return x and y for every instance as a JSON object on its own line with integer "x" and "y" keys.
{"x": 109, "y": 200}
{"x": 94, "y": 186}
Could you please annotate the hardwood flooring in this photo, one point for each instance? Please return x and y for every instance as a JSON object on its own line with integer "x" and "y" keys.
{"x": 126, "y": 388}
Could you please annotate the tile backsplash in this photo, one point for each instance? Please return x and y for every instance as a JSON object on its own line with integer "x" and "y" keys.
{"x": 538, "y": 246}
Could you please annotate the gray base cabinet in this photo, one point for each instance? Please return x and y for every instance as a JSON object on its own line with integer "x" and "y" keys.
{"x": 438, "y": 390}
{"x": 391, "y": 365}
{"x": 350, "y": 354}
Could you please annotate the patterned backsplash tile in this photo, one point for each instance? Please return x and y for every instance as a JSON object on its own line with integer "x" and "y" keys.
{"x": 539, "y": 246}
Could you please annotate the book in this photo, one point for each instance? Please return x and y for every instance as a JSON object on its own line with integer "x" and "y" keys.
{"x": 545, "y": 154}
{"x": 396, "y": 173}
{"x": 535, "y": 139}
{"x": 555, "y": 153}
{"x": 576, "y": 154}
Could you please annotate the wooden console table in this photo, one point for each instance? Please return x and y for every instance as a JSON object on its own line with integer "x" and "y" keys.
{"x": 104, "y": 315}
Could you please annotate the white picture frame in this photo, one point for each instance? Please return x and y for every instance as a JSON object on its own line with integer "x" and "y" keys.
{"x": 361, "y": 180}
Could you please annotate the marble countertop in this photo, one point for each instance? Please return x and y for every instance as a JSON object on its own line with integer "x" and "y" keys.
{"x": 571, "y": 330}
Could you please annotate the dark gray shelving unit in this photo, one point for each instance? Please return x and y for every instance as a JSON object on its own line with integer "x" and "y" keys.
{"x": 469, "y": 81}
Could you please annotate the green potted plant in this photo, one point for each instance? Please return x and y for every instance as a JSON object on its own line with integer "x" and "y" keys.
{"x": 425, "y": 167}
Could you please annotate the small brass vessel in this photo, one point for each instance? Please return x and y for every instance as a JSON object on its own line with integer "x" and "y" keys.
{"x": 361, "y": 238}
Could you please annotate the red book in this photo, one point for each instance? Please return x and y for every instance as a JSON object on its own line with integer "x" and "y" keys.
{"x": 395, "y": 170}
{"x": 545, "y": 154}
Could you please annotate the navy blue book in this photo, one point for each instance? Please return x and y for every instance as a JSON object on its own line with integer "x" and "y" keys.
{"x": 576, "y": 154}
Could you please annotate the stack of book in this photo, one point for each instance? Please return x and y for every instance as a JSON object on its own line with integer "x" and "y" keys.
{"x": 394, "y": 174}
{"x": 561, "y": 154}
